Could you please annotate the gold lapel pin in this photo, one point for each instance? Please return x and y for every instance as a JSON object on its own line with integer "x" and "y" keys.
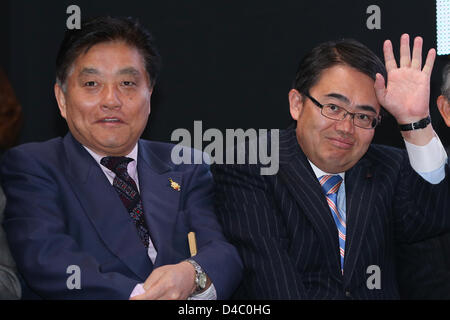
{"x": 174, "y": 185}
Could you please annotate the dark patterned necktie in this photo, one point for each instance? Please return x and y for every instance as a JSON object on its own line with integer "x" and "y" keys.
{"x": 128, "y": 193}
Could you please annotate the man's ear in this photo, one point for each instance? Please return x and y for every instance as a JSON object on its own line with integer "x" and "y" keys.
{"x": 150, "y": 90}
{"x": 61, "y": 99}
{"x": 444, "y": 108}
{"x": 295, "y": 103}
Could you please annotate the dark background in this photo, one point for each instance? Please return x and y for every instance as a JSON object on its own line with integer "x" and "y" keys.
{"x": 229, "y": 64}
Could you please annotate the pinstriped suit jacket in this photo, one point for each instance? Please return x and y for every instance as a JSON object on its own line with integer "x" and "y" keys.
{"x": 423, "y": 268}
{"x": 286, "y": 236}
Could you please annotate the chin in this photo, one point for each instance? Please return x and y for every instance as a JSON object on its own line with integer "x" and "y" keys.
{"x": 110, "y": 140}
{"x": 337, "y": 164}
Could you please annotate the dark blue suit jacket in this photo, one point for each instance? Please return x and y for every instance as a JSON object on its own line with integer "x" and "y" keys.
{"x": 61, "y": 211}
{"x": 288, "y": 240}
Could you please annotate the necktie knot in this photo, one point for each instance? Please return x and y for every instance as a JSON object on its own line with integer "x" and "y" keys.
{"x": 118, "y": 165}
{"x": 330, "y": 183}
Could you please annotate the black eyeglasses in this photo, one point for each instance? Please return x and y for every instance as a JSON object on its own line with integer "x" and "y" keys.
{"x": 335, "y": 112}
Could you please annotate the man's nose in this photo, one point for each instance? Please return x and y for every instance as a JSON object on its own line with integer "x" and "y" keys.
{"x": 346, "y": 125}
{"x": 111, "y": 98}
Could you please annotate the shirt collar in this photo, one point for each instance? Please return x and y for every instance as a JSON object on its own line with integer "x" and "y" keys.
{"x": 98, "y": 158}
{"x": 318, "y": 172}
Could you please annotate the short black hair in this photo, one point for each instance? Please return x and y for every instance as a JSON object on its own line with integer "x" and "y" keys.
{"x": 106, "y": 29}
{"x": 340, "y": 52}
{"x": 445, "y": 86}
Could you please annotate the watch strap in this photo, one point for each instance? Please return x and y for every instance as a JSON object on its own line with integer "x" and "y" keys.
{"x": 423, "y": 123}
{"x": 198, "y": 274}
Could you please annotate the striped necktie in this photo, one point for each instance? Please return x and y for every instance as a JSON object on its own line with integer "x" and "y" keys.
{"x": 330, "y": 186}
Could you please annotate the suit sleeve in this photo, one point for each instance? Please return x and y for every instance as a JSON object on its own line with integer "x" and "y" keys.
{"x": 38, "y": 235}
{"x": 9, "y": 283}
{"x": 217, "y": 257}
{"x": 252, "y": 221}
{"x": 422, "y": 209}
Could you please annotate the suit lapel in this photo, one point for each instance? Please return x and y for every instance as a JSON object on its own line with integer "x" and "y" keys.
{"x": 360, "y": 192}
{"x": 160, "y": 200}
{"x": 302, "y": 183}
{"x": 105, "y": 209}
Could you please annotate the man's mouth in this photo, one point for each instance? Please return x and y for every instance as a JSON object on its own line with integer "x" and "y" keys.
{"x": 110, "y": 120}
{"x": 342, "y": 143}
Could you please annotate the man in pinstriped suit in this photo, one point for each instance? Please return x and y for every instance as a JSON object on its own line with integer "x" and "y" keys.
{"x": 424, "y": 267}
{"x": 298, "y": 242}
{"x": 443, "y": 101}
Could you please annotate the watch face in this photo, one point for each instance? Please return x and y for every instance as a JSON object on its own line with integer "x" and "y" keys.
{"x": 202, "y": 280}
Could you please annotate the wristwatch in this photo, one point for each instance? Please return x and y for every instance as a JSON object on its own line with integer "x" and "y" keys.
{"x": 200, "y": 276}
{"x": 423, "y": 123}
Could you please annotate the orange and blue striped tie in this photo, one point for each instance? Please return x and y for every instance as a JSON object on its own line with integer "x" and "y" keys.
{"x": 330, "y": 185}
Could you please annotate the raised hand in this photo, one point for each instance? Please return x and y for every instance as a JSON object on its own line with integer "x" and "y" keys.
{"x": 407, "y": 93}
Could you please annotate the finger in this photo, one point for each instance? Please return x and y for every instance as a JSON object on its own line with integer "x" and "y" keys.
{"x": 416, "y": 62}
{"x": 389, "y": 56}
{"x": 380, "y": 89}
{"x": 428, "y": 67}
{"x": 171, "y": 296}
{"x": 150, "y": 283}
{"x": 148, "y": 295}
{"x": 156, "y": 291}
{"x": 405, "y": 52}
{"x": 153, "y": 278}
{"x": 139, "y": 296}
{"x": 152, "y": 293}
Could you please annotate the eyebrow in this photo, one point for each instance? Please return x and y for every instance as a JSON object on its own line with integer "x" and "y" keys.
{"x": 86, "y": 71}
{"x": 129, "y": 71}
{"x": 344, "y": 99}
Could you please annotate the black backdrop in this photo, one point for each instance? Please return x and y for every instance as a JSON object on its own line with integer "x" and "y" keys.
{"x": 229, "y": 64}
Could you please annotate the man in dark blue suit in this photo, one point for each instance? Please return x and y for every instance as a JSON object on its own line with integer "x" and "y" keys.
{"x": 101, "y": 214}
{"x": 327, "y": 224}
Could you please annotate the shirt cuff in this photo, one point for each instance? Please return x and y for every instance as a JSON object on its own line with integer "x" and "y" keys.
{"x": 138, "y": 289}
{"x": 208, "y": 294}
{"x": 426, "y": 158}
